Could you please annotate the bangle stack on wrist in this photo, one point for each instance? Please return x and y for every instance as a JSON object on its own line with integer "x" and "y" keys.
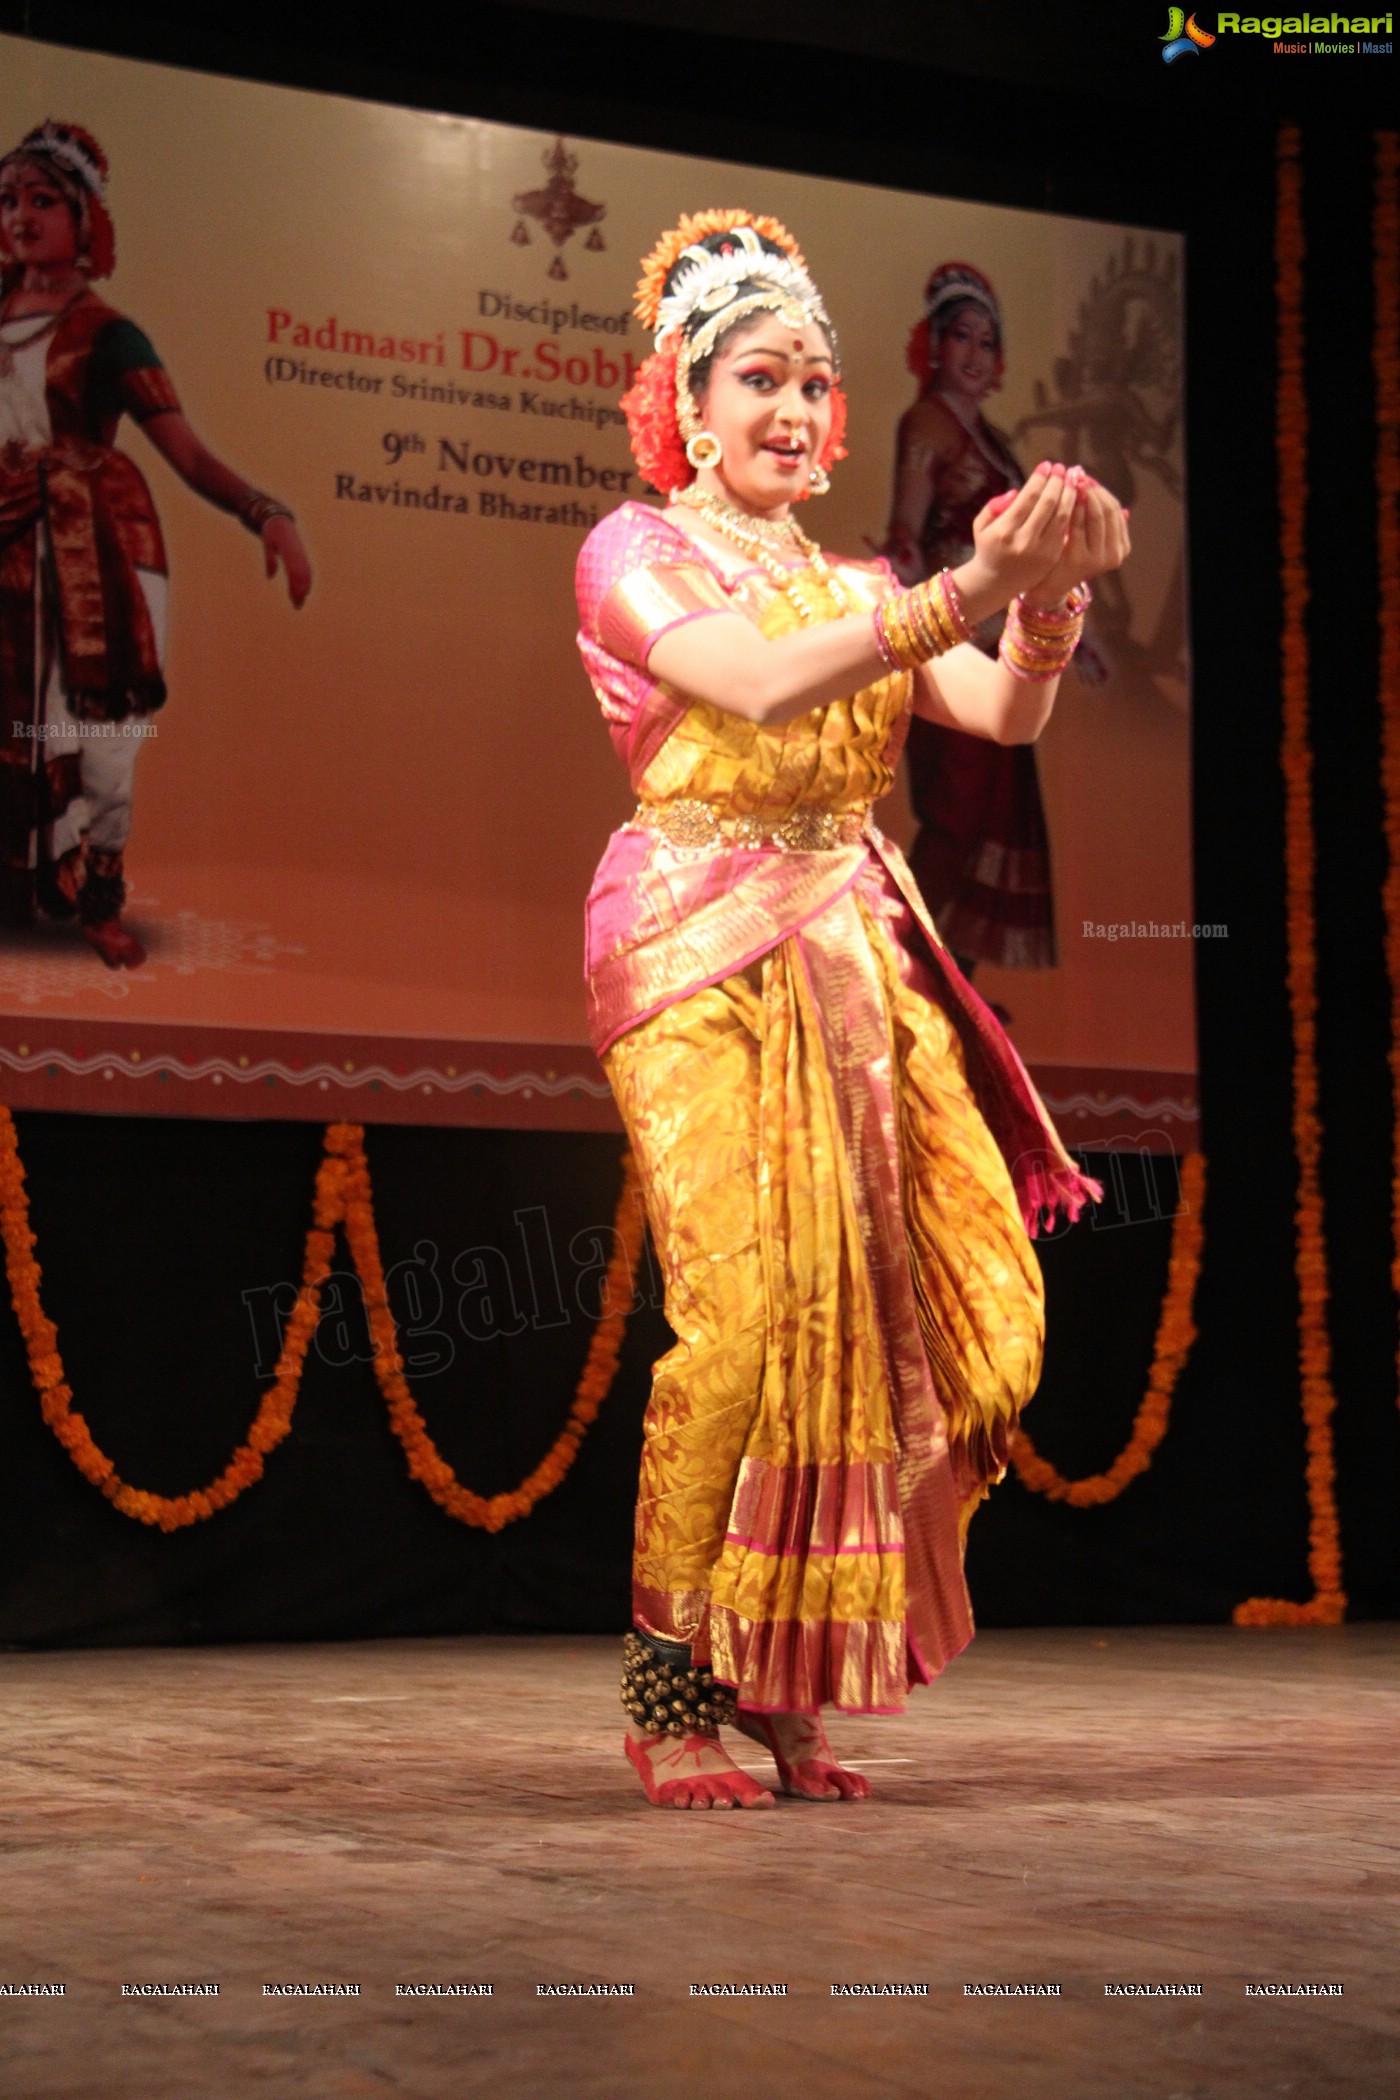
{"x": 913, "y": 626}
{"x": 256, "y": 509}
{"x": 1036, "y": 644}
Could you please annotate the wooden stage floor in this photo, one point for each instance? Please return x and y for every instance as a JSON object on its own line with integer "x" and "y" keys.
{"x": 1165, "y": 1807}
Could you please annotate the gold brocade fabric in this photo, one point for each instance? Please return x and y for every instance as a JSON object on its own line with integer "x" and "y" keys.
{"x": 841, "y": 756}
{"x": 772, "y": 1532}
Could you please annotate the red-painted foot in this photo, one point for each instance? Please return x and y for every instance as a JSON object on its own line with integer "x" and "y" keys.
{"x": 800, "y": 1750}
{"x": 116, "y": 944}
{"x": 692, "y": 1771}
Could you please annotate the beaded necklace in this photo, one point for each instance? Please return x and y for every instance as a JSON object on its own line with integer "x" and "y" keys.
{"x": 760, "y": 538}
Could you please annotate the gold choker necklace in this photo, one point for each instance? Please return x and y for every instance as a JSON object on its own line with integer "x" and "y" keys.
{"x": 764, "y": 539}
{"x": 781, "y": 534}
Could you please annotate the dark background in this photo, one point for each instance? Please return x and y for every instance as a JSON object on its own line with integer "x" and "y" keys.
{"x": 151, "y": 1233}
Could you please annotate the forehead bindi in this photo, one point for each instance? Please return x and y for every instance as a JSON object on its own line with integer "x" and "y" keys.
{"x": 792, "y": 354}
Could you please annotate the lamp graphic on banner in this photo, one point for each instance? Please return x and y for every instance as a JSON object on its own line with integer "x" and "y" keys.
{"x": 558, "y": 207}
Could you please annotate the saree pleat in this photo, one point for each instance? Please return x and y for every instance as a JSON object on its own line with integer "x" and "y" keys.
{"x": 826, "y": 1201}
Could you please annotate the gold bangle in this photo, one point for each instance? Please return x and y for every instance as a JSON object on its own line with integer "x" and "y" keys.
{"x": 914, "y": 626}
{"x": 942, "y": 614}
{"x": 953, "y": 605}
{"x": 895, "y": 628}
{"x": 919, "y": 613}
{"x": 1039, "y": 647}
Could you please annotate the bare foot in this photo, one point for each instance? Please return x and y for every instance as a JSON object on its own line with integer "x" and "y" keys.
{"x": 692, "y": 1771}
{"x": 803, "y": 1756}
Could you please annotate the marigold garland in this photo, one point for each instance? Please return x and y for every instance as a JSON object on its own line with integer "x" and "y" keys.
{"x": 1176, "y": 1331}
{"x": 1385, "y": 234}
{"x": 425, "y": 1461}
{"x": 343, "y": 1198}
{"x": 652, "y": 424}
{"x": 1327, "y": 1605}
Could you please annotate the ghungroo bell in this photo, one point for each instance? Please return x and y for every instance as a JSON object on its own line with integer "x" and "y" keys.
{"x": 671, "y": 1698}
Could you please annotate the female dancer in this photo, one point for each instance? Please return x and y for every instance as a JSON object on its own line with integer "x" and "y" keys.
{"x": 82, "y": 562}
{"x": 838, "y": 1145}
{"x": 982, "y": 854}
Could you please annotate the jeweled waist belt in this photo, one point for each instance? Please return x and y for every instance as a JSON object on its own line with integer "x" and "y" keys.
{"x": 811, "y": 828}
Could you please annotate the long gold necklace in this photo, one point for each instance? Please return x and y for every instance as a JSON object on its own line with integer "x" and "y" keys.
{"x": 760, "y": 538}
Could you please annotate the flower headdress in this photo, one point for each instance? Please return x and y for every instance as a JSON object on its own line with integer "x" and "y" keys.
{"x": 689, "y": 294}
{"x": 79, "y": 168}
{"x": 952, "y": 284}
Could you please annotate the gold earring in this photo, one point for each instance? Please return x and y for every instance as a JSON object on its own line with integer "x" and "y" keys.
{"x": 704, "y": 450}
{"x": 820, "y": 481}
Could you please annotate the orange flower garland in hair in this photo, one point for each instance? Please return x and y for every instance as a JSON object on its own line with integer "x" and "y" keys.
{"x": 343, "y": 1197}
{"x": 1386, "y": 363}
{"x": 650, "y": 408}
{"x": 1327, "y": 1605}
{"x": 1176, "y": 1331}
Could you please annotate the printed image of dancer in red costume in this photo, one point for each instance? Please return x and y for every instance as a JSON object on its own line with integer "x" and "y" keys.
{"x": 982, "y": 854}
{"x": 83, "y": 577}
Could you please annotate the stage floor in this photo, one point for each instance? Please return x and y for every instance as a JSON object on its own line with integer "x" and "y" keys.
{"x": 1165, "y": 1807}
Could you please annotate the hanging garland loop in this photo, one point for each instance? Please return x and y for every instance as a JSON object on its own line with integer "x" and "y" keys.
{"x": 343, "y": 1199}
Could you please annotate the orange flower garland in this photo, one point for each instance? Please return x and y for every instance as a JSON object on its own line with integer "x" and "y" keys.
{"x": 274, "y": 1415}
{"x": 1385, "y": 228}
{"x": 425, "y": 1461}
{"x": 1327, "y": 1606}
{"x": 343, "y": 1197}
{"x": 1176, "y": 1331}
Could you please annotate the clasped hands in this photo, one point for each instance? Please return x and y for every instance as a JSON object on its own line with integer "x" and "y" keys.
{"x": 1037, "y": 542}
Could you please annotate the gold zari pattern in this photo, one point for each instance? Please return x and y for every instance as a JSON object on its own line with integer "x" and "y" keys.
{"x": 809, "y": 829}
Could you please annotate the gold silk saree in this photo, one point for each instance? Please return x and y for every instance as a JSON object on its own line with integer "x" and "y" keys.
{"x": 840, "y": 1154}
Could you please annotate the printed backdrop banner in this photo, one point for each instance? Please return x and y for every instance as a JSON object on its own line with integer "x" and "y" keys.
{"x": 361, "y": 833}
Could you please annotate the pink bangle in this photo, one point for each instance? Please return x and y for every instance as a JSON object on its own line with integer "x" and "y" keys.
{"x": 1037, "y": 644}
{"x": 952, "y": 598}
{"x": 887, "y": 655}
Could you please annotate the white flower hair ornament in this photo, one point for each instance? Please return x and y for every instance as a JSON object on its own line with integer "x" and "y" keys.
{"x": 705, "y": 282}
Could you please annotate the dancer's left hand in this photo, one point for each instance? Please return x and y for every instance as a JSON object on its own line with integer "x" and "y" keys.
{"x": 1096, "y": 542}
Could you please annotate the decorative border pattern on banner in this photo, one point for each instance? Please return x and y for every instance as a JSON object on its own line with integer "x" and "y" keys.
{"x": 98, "y": 1067}
{"x": 102, "y": 1068}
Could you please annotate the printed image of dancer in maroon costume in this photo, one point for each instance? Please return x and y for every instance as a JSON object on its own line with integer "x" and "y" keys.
{"x": 83, "y": 575}
{"x": 982, "y": 853}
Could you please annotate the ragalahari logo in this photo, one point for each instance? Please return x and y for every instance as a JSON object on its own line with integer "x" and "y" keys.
{"x": 1183, "y": 35}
